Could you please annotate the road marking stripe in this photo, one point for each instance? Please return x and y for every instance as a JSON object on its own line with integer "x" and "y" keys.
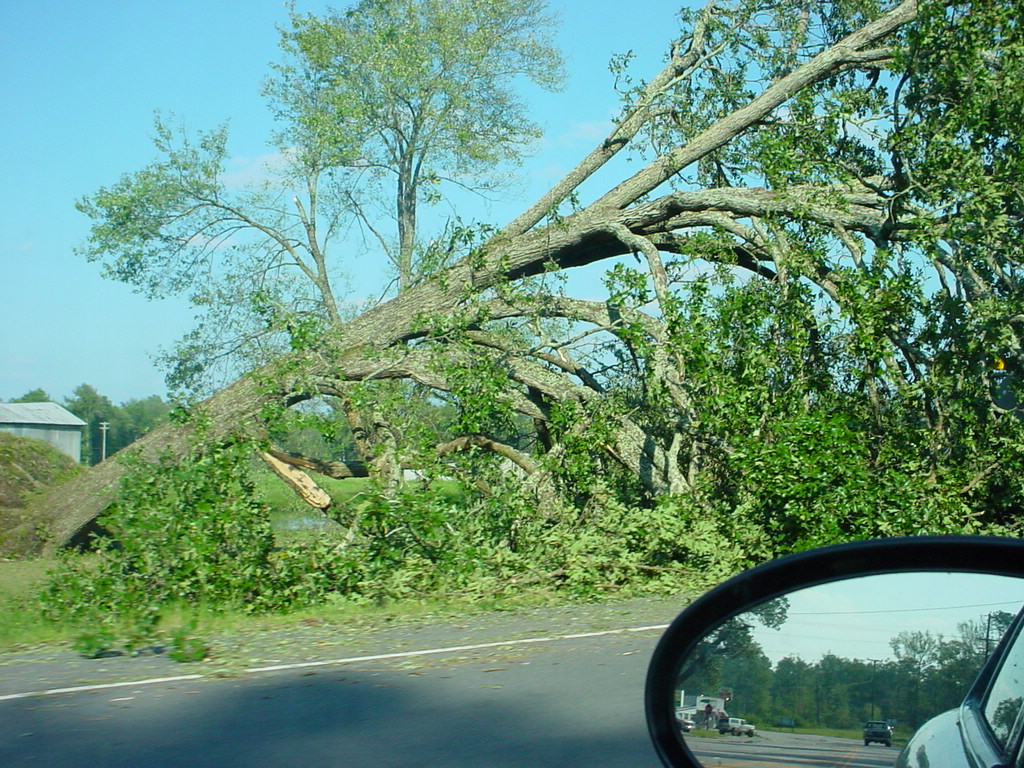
{"x": 332, "y": 662}
{"x": 452, "y": 649}
{"x": 97, "y": 687}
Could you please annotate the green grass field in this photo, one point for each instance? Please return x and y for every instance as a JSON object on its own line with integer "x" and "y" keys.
{"x": 898, "y": 740}
{"x": 21, "y": 624}
{"x": 290, "y": 515}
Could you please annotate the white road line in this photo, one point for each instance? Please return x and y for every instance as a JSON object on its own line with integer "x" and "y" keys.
{"x": 348, "y": 660}
{"x": 97, "y": 687}
{"x": 452, "y": 649}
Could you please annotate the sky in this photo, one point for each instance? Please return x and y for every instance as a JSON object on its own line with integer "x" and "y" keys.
{"x": 856, "y": 618}
{"x": 80, "y": 84}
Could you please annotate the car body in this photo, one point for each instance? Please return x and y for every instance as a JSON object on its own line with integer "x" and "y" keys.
{"x": 877, "y": 731}
{"x": 686, "y": 723}
{"x": 987, "y": 729}
{"x": 737, "y": 726}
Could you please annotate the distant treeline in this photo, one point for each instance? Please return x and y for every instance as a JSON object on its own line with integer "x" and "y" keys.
{"x": 125, "y": 423}
{"x": 929, "y": 674}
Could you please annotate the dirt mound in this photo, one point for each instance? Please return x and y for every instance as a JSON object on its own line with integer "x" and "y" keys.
{"x": 27, "y": 467}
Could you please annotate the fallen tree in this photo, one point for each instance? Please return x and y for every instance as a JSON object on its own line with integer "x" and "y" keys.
{"x": 805, "y": 211}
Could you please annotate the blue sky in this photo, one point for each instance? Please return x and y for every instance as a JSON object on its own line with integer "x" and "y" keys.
{"x": 857, "y": 618}
{"x": 80, "y": 84}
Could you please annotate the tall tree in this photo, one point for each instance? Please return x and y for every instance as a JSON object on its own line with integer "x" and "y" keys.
{"x": 793, "y": 687}
{"x": 98, "y": 412}
{"x": 410, "y": 95}
{"x": 135, "y": 417}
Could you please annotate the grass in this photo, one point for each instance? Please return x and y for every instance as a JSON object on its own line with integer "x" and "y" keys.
{"x": 357, "y": 613}
{"x": 295, "y": 521}
{"x": 898, "y": 739}
{"x": 22, "y": 625}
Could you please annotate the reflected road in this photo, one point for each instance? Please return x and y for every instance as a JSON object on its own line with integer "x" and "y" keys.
{"x": 770, "y": 748}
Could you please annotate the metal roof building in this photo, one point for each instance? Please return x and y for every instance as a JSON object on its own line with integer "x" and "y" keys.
{"x": 44, "y": 421}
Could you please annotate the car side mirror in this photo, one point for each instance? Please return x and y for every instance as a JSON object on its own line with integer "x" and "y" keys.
{"x": 854, "y": 637}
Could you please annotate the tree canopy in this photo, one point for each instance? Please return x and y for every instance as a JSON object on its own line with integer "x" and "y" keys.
{"x": 413, "y": 93}
{"x": 37, "y": 395}
{"x": 809, "y": 273}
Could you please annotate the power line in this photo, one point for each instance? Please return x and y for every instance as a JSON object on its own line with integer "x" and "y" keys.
{"x": 902, "y": 610}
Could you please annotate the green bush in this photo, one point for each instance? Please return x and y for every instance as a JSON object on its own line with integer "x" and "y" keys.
{"x": 190, "y": 535}
{"x": 181, "y": 532}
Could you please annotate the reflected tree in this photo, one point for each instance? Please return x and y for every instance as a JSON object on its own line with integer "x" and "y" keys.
{"x": 929, "y": 674}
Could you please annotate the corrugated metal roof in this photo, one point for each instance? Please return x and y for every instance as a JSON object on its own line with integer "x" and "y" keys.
{"x": 38, "y": 413}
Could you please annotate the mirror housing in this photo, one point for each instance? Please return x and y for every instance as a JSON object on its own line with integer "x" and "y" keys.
{"x": 968, "y": 554}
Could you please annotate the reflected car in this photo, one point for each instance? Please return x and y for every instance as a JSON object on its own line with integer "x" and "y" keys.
{"x": 737, "y": 726}
{"x": 686, "y": 724}
{"x": 877, "y": 731}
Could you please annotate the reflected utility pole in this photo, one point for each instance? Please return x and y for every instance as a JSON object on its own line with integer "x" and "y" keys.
{"x": 871, "y": 703}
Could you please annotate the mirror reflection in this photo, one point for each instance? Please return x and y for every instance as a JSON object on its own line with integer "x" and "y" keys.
{"x": 842, "y": 673}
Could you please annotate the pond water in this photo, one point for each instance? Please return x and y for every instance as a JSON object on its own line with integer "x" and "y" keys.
{"x": 302, "y": 522}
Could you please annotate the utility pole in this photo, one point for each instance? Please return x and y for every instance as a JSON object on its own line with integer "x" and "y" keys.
{"x": 104, "y": 426}
{"x": 874, "y": 667}
{"x": 990, "y": 627}
{"x": 988, "y": 634}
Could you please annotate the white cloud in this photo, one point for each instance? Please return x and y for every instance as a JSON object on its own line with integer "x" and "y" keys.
{"x": 246, "y": 171}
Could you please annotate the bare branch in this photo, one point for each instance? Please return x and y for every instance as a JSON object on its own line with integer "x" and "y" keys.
{"x": 682, "y": 64}
{"x": 466, "y": 442}
{"x": 334, "y": 469}
{"x": 821, "y": 66}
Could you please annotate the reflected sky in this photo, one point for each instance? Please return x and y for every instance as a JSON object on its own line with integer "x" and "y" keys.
{"x": 856, "y": 618}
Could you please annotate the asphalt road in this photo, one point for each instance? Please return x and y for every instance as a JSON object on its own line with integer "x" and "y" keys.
{"x": 786, "y": 750}
{"x": 541, "y": 699}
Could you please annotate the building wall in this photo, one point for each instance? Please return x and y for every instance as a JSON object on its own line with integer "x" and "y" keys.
{"x": 67, "y": 439}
